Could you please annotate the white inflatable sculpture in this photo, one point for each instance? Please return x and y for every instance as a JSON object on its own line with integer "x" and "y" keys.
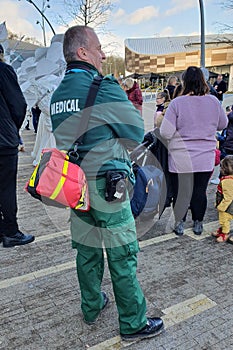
{"x": 38, "y": 77}
{"x": 3, "y": 40}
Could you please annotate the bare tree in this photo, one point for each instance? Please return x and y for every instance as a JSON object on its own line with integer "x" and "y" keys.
{"x": 114, "y": 65}
{"x": 18, "y": 37}
{"x": 94, "y": 13}
{"x": 227, "y": 4}
{"x": 225, "y": 27}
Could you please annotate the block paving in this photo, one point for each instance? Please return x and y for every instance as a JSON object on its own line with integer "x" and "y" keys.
{"x": 186, "y": 281}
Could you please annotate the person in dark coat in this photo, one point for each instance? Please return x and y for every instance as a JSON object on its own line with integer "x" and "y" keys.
{"x": 134, "y": 93}
{"x": 35, "y": 116}
{"x": 228, "y": 143}
{"x": 12, "y": 113}
{"x": 206, "y": 74}
{"x": 171, "y": 85}
{"x": 220, "y": 86}
{"x": 162, "y": 102}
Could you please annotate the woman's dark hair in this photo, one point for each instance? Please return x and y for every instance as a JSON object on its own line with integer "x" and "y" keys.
{"x": 227, "y": 165}
{"x": 178, "y": 90}
{"x": 164, "y": 94}
{"x": 194, "y": 82}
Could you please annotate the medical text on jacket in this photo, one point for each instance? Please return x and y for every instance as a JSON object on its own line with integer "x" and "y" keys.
{"x": 70, "y": 105}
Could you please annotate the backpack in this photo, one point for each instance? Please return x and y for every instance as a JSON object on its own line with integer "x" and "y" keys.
{"x": 147, "y": 198}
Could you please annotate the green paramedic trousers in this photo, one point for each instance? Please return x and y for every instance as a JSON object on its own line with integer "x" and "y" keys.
{"x": 110, "y": 225}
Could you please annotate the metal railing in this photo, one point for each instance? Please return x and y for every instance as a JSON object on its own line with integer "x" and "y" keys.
{"x": 150, "y": 94}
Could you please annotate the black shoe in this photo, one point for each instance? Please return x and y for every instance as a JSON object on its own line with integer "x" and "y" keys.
{"x": 106, "y": 300}
{"x": 197, "y": 227}
{"x": 18, "y": 239}
{"x": 1, "y": 238}
{"x": 179, "y": 228}
{"x": 153, "y": 327}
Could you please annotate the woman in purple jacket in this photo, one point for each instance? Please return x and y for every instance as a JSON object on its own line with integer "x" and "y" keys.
{"x": 190, "y": 124}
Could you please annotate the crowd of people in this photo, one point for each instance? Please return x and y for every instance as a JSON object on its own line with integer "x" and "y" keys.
{"x": 188, "y": 117}
{"x": 198, "y": 147}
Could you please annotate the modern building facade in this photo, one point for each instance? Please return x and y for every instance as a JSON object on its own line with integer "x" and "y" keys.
{"x": 169, "y": 55}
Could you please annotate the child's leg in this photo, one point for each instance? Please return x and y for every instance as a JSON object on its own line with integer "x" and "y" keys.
{"x": 224, "y": 221}
{"x": 215, "y": 175}
{"x": 230, "y": 239}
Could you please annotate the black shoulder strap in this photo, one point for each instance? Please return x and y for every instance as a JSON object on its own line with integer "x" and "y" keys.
{"x": 87, "y": 108}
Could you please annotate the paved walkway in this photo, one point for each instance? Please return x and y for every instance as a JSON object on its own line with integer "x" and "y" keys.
{"x": 188, "y": 281}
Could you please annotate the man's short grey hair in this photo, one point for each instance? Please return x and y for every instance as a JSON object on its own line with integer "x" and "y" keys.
{"x": 74, "y": 38}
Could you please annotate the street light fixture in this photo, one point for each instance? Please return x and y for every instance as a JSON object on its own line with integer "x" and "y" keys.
{"x": 42, "y": 14}
{"x": 44, "y": 6}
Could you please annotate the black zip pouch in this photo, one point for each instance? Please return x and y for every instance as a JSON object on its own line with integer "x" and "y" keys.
{"x": 116, "y": 187}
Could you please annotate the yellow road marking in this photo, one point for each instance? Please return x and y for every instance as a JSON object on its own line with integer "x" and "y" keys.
{"x": 53, "y": 235}
{"x": 36, "y": 274}
{"x": 29, "y": 142}
{"x": 186, "y": 309}
{"x": 25, "y": 165}
{"x": 172, "y": 315}
{"x": 24, "y": 156}
{"x": 208, "y": 229}
{"x": 157, "y": 240}
{"x": 47, "y": 271}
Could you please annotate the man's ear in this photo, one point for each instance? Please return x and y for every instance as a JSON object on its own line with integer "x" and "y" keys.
{"x": 82, "y": 53}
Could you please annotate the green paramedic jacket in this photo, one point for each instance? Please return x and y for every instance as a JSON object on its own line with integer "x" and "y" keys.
{"x": 115, "y": 125}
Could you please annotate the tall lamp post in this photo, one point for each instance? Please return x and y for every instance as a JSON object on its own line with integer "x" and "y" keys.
{"x": 42, "y": 14}
{"x": 202, "y": 33}
{"x": 43, "y": 30}
{"x": 42, "y": 24}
